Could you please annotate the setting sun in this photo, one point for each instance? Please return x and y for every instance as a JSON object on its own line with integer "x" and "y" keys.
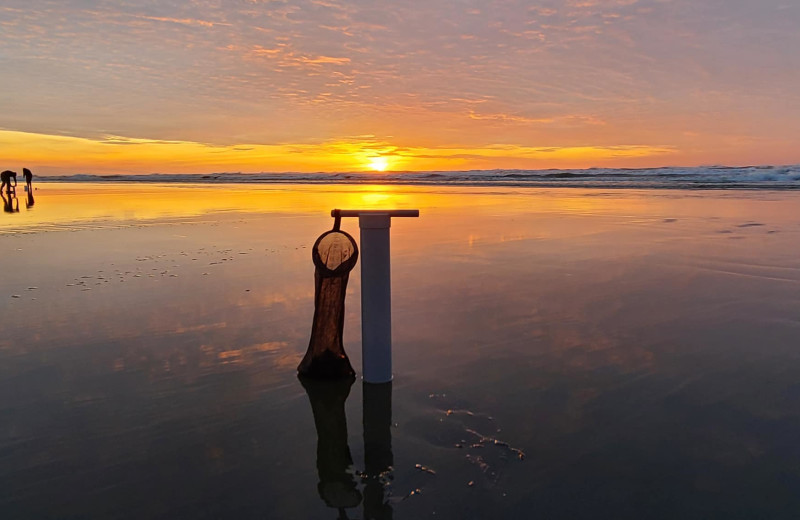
{"x": 379, "y": 163}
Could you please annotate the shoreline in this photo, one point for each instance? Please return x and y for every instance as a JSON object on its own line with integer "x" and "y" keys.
{"x": 499, "y": 184}
{"x": 710, "y": 177}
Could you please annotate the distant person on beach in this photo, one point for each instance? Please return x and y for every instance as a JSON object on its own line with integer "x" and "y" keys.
{"x": 6, "y": 177}
{"x": 28, "y": 178}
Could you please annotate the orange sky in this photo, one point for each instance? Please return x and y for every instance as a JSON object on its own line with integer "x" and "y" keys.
{"x": 332, "y": 85}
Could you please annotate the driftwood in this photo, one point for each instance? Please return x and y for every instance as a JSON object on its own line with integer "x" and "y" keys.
{"x": 335, "y": 254}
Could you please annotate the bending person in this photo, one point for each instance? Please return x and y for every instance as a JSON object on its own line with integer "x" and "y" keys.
{"x": 28, "y": 178}
{"x": 6, "y": 177}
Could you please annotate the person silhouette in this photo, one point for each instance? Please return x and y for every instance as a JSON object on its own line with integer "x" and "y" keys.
{"x": 28, "y": 178}
{"x": 29, "y": 201}
{"x": 9, "y": 198}
{"x": 6, "y": 177}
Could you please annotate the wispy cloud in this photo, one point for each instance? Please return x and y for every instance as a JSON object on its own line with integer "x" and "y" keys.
{"x": 567, "y": 119}
{"x": 115, "y": 154}
{"x": 183, "y": 21}
{"x": 285, "y": 56}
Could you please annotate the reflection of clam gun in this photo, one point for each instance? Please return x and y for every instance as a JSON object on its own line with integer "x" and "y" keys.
{"x": 378, "y": 457}
{"x": 337, "y": 485}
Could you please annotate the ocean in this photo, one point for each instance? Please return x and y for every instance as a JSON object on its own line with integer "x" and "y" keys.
{"x": 702, "y": 177}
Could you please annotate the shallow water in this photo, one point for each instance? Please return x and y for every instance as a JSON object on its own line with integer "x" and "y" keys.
{"x": 558, "y": 353}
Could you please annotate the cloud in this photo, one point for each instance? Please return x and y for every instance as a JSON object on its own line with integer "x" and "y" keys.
{"x": 568, "y": 119}
{"x": 559, "y": 74}
{"x": 287, "y": 57}
{"x": 115, "y": 154}
{"x": 184, "y": 21}
{"x": 128, "y": 141}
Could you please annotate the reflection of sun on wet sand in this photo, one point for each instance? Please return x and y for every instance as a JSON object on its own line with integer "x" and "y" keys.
{"x": 154, "y": 334}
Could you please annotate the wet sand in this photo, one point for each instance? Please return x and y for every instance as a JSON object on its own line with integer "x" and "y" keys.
{"x": 558, "y": 353}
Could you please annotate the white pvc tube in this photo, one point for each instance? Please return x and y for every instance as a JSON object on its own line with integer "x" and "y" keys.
{"x": 376, "y": 297}
{"x": 376, "y": 289}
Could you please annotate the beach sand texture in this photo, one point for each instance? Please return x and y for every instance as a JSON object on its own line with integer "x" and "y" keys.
{"x": 558, "y": 353}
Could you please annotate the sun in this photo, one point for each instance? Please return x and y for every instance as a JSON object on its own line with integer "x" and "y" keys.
{"x": 379, "y": 163}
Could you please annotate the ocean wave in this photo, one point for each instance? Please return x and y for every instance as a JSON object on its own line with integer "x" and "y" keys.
{"x": 703, "y": 177}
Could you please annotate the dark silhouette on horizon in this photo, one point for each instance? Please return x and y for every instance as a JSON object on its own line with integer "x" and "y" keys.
{"x": 28, "y": 178}
{"x": 6, "y": 177}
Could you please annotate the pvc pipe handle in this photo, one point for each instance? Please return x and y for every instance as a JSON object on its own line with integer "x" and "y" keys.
{"x": 388, "y": 212}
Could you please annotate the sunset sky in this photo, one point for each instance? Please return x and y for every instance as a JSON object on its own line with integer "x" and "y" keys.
{"x": 203, "y": 86}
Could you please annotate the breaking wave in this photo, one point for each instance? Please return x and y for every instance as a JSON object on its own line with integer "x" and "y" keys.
{"x": 704, "y": 177}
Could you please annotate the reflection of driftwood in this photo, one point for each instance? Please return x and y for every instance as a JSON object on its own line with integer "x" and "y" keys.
{"x": 335, "y": 254}
{"x": 378, "y": 458}
{"x": 337, "y": 486}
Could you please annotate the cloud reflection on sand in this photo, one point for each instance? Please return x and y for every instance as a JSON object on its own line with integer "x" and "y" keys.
{"x": 632, "y": 359}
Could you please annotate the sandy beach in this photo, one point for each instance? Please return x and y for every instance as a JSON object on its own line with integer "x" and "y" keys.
{"x": 558, "y": 353}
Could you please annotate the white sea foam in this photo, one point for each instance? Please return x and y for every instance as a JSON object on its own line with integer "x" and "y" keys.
{"x": 704, "y": 177}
